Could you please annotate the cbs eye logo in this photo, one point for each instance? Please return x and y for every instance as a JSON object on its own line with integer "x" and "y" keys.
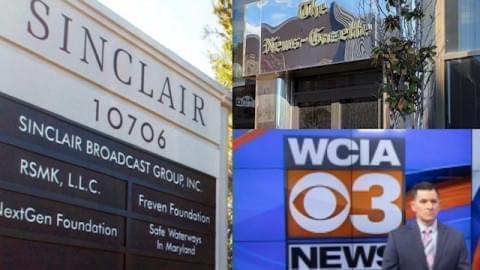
{"x": 343, "y": 203}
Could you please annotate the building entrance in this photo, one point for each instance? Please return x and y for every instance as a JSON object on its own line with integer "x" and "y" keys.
{"x": 340, "y": 100}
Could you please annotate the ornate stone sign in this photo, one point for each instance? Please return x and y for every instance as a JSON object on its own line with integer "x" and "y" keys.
{"x": 298, "y": 34}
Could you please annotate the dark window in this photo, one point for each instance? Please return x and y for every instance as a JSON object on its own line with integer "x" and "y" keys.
{"x": 359, "y": 113}
{"x": 463, "y": 90}
{"x": 314, "y": 115}
{"x": 357, "y": 93}
{"x": 244, "y": 107}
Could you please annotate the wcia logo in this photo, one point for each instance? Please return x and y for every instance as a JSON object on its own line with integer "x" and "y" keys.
{"x": 343, "y": 187}
{"x": 340, "y": 191}
{"x": 320, "y": 203}
{"x": 318, "y": 194}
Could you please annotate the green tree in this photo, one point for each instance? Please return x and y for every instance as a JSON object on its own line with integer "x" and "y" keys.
{"x": 221, "y": 61}
{"x": 221, "y": 58}
{"x": 406, "y": 54}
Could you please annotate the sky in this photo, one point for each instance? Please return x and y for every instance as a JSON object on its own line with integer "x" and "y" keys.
{"x": 176, "y": 24}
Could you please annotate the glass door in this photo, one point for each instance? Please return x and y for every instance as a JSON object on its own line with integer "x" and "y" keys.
{"x": 339, "y": 100}
{"x": 314, "y": 115}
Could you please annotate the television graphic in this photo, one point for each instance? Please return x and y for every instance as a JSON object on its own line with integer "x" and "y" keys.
{"x": 326, "y": 199}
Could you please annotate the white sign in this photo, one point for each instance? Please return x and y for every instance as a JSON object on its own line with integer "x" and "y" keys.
{"x": 82, "y": 62}
{"x": 58, "y": 32}
{"x": 58, "y": 91}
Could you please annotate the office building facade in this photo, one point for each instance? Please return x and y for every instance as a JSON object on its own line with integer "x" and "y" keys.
{"x": 307, "y": 64}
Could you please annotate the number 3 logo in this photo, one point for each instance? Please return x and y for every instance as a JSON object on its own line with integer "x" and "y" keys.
{"x": 325, "y": 203}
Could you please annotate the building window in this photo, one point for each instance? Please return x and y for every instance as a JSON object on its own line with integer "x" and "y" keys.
{"x": 338, "y": 100}
{"x": 244, "y": 107}
{"x": 314, "y": 115}
{"x": 360, "y": 113}
{"x": 462, "y": 25}
{"x": 463, "y": 90}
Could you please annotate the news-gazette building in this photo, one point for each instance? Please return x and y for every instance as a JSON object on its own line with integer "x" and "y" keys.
{"x": 307, "y": 64}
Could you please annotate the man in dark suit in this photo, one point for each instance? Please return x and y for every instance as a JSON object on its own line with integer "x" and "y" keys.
{"x": 425, "y": 244}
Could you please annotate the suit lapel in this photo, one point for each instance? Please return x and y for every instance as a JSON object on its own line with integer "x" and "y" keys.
{"x": 441, "y": 243}
{"x": 418, "y": 244}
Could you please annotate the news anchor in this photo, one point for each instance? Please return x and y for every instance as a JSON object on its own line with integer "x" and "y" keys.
{"x": 425, "y": 244}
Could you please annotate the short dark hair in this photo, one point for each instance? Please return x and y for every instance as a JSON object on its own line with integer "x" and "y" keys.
{"x": 422, "y": 186}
